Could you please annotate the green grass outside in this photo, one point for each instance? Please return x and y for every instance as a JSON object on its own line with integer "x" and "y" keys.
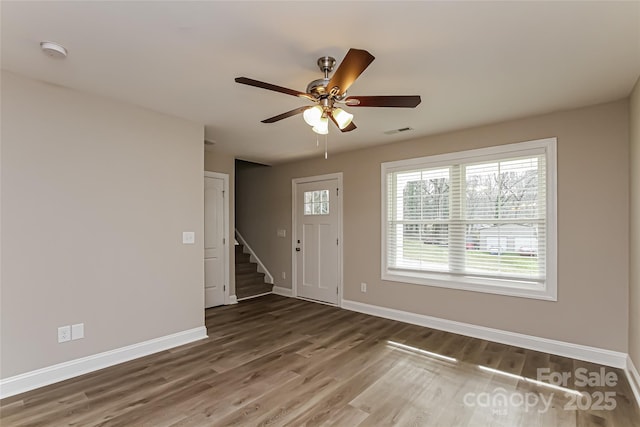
{"x": 507, "y": 262}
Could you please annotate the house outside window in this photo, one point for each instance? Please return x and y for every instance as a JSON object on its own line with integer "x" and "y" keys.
{"x": 481, "y": 220}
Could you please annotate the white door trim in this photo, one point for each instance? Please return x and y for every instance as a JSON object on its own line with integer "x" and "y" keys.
{"x": 294, "y": 182}
{"x": 228, "y": 299}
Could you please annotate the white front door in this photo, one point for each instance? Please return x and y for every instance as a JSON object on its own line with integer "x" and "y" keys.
{"x": 316, "y": 240}
{"x": 214, "y": 234}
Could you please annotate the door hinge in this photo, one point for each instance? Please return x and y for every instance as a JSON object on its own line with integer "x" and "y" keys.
{"x": 224, "y": 288}
{"x": 337, "y": 242}
{"x": 224, "y": 241}
{"x": 337, "y": 191}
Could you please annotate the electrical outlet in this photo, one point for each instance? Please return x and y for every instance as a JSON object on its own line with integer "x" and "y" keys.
{"x": 363, "y": 287}
{"x": 64, "y": 333}
{"x": 77, "y": 331}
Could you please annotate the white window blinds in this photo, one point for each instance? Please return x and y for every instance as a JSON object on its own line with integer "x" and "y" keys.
{"x": 469, "y": 215}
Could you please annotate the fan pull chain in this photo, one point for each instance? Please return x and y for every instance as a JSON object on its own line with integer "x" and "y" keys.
{"x": 326, "y": 138}
{"x": 317, "y": 140}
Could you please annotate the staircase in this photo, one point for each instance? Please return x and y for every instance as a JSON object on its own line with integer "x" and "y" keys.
{"x": 249, "y": 282}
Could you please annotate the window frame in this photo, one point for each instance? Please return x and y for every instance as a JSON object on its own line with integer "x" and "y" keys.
{"x": 545, "y": 290}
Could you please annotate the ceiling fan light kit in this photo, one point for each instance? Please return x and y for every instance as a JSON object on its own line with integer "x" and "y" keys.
{"x": 322, "y": 127}
{"x": 319, "y": 122}
{"x": 312, "y": 115}
{"x": 343, "y": 119}
{"x": 327, "y": 92}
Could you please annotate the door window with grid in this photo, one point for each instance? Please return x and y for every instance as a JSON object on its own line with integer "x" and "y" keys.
{"x": 316, "y": 202}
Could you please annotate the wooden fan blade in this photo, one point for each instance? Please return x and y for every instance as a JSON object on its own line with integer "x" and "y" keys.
{"x": 353, "y": 64}
{"x": 269, "y": 86}
{"x": 351, "y": 126}
{"x": 383, "y": 101}
{"x": 287, "y": 114}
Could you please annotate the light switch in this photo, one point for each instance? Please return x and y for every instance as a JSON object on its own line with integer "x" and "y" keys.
{"x": 282, "y": 232}
{"x": 77, "y": 331}
{"x": 188, "y": 237}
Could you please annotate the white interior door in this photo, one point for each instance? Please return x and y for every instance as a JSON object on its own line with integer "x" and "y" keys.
{"x": 214, "y": 244}
{"x": 316, "y": 240}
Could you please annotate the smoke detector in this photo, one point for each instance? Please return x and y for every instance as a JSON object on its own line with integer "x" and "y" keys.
{"x": 54, "y": 50}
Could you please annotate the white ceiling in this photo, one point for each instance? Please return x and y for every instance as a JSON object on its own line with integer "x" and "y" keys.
{"x": 471, "y": 62}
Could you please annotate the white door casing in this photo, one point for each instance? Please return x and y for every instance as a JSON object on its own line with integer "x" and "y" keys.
{"x": 317, "y": 238}
{"x": 216, "y": 253}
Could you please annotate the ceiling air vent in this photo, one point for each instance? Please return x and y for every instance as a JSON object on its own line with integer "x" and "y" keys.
{"x": 394, "y": 131}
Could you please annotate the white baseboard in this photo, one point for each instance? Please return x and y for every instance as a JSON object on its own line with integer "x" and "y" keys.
{"x": 268, "y": 277}
{"x": 232, "y": 300}
{"x": 73, "y": 368}
{"x": 575, "y": 351}
{"x": 634, "y": 378}
{"x": 285, "y": 292}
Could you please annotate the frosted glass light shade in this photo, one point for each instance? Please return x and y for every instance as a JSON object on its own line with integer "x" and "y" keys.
{"x": 312, "y": 115}
{"x": 342, "y": 117}
{"x": 322, "y": 127}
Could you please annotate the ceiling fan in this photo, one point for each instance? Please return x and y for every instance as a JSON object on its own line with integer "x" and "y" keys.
{"x": 327, "y": 92}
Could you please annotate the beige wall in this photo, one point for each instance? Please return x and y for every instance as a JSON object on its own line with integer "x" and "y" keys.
{"x": 219, "y": 161}
{"x": 593, "y": 218}
{"x": 634, "y": 246}
{"x": 95, "y": 197}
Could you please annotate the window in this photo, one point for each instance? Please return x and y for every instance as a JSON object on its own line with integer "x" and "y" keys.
{"x": 481, "y": 220}
{"x": 316, "y": 202}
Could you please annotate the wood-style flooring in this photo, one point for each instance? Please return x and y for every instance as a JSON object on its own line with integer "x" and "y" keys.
{"x": 274, "y": 361}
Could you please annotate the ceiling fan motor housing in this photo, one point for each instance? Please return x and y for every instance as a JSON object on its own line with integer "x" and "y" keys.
{"x": 318, "y": 88}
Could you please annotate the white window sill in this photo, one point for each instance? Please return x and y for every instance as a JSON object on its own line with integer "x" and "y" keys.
{"x": 522, "y": 289}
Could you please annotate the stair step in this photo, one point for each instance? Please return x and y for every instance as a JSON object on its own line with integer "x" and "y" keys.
{"x": 247, "y": 291}
{"x": 250, "y": 281}
{"x": 246, "y": 267}
{"x": 242, "y": 258}
{"x": 247, "y": 274}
